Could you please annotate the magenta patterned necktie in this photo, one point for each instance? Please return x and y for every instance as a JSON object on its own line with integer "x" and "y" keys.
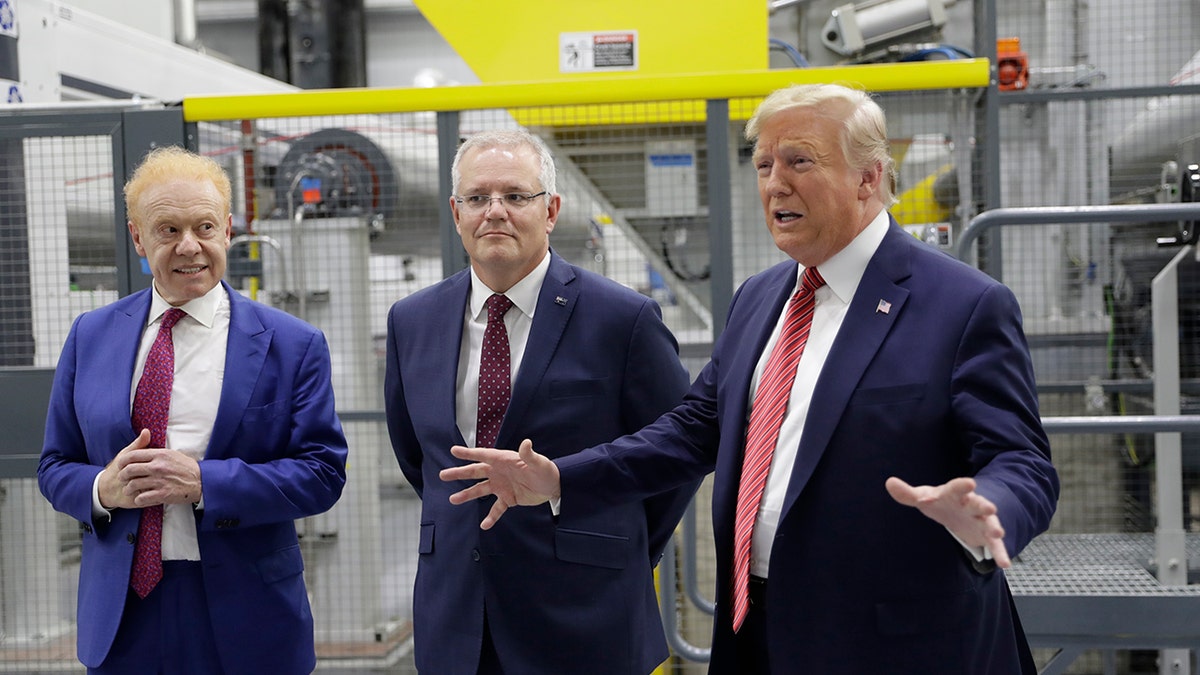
{"x": 151, "y": 405}
{"x": 770, "y": 405}
{"x": 495, "y": 374}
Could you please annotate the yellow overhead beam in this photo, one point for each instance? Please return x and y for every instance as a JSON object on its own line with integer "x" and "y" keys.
{"x": 612, "y": 93}
{"x": 551, "y": 39}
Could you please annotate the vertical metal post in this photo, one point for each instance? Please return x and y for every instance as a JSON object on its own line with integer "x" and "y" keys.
{"x": 454, "y": 258}
{"x": 991, "y": 254}
{"x": 139, "y": 132}
{"x": 1169, "y": 541}
{"x": 720, "y": 212}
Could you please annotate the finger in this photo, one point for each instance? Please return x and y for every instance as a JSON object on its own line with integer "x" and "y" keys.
{"x": 487, "y": 455}
{"x": 467, "y": 472}
{"x": 526, "y": 451}
{"x": 961, "y": 487}
{"x": 476, "y": 491}
{"x": 982, "y": 506}
{"x": 148, "y": 498}
{"x": 1000, "y": 553}
{"x": 493, "y": 515}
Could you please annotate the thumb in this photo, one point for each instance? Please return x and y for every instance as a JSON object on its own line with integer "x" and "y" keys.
{"x": 142, "y": 441}
{"x": 902, "y": 492}
{"x": 526, "y": 451}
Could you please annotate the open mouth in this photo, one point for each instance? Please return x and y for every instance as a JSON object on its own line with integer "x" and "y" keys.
{"x": 787, "y": 216}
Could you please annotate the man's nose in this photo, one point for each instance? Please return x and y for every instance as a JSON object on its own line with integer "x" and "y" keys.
{"x": 495, "y": 208}
{"x": 775, "y": 184}
{"x": 188, "y": 245}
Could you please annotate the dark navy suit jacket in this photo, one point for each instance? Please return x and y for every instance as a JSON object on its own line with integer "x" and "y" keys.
{"x": 939, "y": 386}
{"x": 572, "y": 596}
{"x": 277, "y": 453}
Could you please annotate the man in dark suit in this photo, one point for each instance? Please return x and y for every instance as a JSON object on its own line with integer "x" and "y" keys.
{"x": 913, "y": 370}
{"x": 250, "y": 444}
{"x": 583, "y": 360}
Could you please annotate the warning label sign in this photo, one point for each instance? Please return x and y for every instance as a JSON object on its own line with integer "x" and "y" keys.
{"x": 597, "y": 52}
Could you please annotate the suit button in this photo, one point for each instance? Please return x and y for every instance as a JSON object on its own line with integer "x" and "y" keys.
{"x": 475, "y": 554}
{"x": 131, "y": 538}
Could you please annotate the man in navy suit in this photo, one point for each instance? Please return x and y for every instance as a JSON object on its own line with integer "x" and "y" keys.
{"x": 586, "y": 361}
{"x": 916, "y": 372}
{"x": 252, "y": 444}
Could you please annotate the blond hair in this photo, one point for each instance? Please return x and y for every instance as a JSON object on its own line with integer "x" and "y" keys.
{"x": 864, "y": 139}
{"x": 173, "y": 163}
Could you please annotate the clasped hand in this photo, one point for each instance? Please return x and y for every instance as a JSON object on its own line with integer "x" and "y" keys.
{"x": 525, "y": 478}
{"x": 141, "y": 476}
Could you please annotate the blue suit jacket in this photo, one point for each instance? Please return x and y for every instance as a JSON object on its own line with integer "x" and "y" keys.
{"x": 277, "y": 453}
{"x": 939, "y": 386}
{"x": 577, "y": 598}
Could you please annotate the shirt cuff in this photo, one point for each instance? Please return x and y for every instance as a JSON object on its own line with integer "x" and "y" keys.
{"x": 555, "y": 506}
{"x": 979, "y": 553}
{"x": 98, "y": 511}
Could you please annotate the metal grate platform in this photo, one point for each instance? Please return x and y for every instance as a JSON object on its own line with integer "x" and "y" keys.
{"x": 1095, "y": 565}
{"x": 1098, "y": 591}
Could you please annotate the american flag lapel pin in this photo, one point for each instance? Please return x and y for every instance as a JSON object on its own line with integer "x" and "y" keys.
{"x": 560, "y": 300}
{"x": 883, "y": 307}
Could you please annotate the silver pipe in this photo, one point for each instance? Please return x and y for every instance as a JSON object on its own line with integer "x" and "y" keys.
{"x": 185, "y": 22}
{"x": 678, "y": 644}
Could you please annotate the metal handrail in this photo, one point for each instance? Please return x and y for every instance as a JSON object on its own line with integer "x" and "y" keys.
{"x": 1146, "y": 424}
{"x": 671, "y": 576}
{"x": 1041, "y": 215}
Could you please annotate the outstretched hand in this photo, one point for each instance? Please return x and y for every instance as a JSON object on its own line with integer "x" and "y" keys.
{"x": 522, "y": 478}
{"x": 969, "y": 515}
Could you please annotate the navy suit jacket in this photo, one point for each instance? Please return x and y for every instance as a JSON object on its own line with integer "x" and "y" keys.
{"x": 277, "y": 453}
{"x": 573, "y": 598}
{"x": 938, "y": 386}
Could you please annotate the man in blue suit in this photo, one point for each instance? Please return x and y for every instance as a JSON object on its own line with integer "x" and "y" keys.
{"x": 586, "y": 360}
{"x": 916, "y": 372}
{"x": 252, "y": 443}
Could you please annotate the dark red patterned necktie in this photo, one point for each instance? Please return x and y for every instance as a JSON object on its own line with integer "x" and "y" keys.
{"x": 151, "y": 405}
{"x": 770, "y": 406}
{"x": 495, "y": 376}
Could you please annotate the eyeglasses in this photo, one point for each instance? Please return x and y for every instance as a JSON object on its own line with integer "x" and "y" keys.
{"x": 512, "y": 200}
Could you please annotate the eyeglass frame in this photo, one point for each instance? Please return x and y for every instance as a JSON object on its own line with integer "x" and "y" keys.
{"x": 461, "y": 200}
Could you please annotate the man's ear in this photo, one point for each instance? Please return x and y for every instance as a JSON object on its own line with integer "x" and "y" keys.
{"x": 869, "y": 182}
{"x": 136, "y": 234}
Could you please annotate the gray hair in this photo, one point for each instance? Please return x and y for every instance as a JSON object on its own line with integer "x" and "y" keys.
{"x": 864, "y": 141}
{"x": 508, "y": 138}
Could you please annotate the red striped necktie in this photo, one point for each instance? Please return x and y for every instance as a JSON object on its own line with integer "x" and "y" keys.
{"x": 770, "y": 405}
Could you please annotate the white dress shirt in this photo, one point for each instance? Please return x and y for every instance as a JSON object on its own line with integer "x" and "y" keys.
{"x": 842, "y": 272}
{"x": 200, "y": 341}
{"x": 518, "y": 321}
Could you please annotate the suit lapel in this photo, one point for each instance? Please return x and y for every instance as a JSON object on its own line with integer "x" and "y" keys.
{"x": 245, "y": 356}
{"x": 444, "y": 337}
{"x": 121, "y": 343}
{"x": 750, "y": 326}
{"x": 555, "y": 304}
{"x": 858, "y": 340}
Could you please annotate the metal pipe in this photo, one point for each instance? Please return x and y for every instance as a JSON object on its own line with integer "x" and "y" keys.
{"x": 691, "y": 583}
{"x": 678, "y": 644}
{"x": 1121, "y": 424}
{"x": 1041, "y": 215}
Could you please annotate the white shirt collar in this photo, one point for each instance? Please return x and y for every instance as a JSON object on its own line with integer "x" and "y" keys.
{"x": 524, "y": 293}
{"x": 844, "y": 269}
{"x": 202, "y": 309}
